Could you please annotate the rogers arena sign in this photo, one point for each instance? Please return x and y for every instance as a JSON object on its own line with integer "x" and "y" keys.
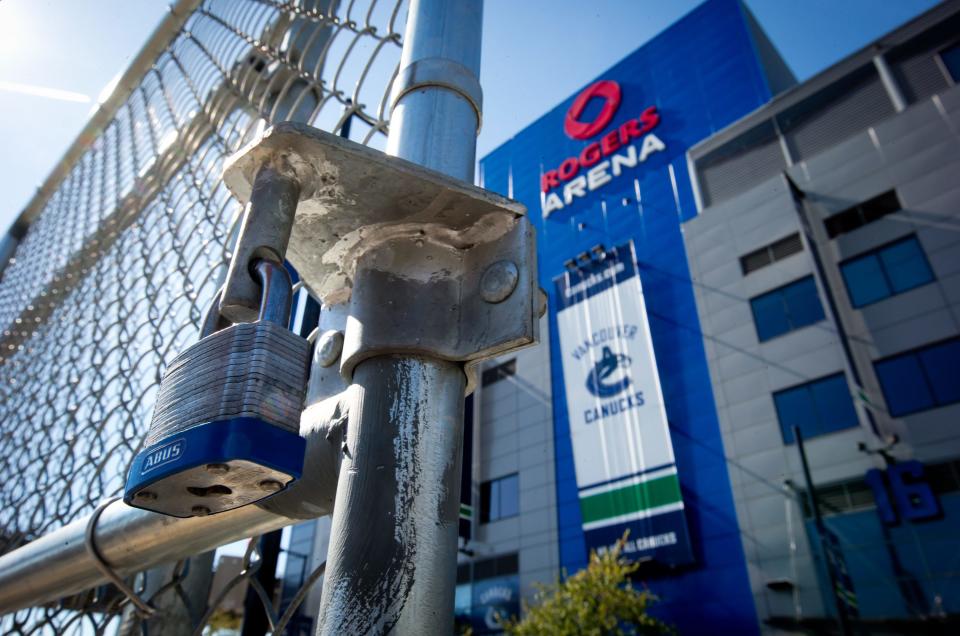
{"x": 602, "y": 161}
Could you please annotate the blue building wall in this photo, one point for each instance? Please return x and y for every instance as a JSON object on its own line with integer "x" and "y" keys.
{"x": 702, "y": 73}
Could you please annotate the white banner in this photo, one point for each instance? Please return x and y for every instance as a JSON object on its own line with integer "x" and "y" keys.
{"x": 623, "y": 455}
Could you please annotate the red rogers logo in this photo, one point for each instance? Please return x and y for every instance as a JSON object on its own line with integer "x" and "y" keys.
{"x": 610, "y": 92}
{"x": 605, "y": 159}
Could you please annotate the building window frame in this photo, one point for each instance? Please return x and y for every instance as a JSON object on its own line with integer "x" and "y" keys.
{"x": 885, "y": 273}
{"x": 817, "y": 427}
{"x": 794, "y": 322}
{"x": 495, "y": 505}
{"x": 864, "y": 213}
{"x": 921, "y": 375}
{"x": 771, "y": 253}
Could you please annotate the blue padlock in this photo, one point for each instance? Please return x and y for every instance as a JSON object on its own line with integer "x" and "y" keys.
{"x": 225, "y": 428}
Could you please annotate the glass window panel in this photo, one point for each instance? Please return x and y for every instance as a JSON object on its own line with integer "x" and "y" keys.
{"x": 795, "y": 408}
{"x": 769, "y": 315}
{"x": 494, "y": 500}
{"x": 833, "y": 404}
{"x": 951, "y": 59}
{"x": 879, "y": 207}
{"x": 803, "y": 303}
{"x": 904, "y": 385}
{"x": 843, "y": 223}
{"x": 942, "y": 366}
{"x": 509, "y": 496}
{"x": 865, "y": 280}
{"x": 906, "y": 265}
{"x": 485, "y": 502}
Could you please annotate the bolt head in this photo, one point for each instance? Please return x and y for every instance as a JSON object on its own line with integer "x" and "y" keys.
{"x": 270, "y": 485}
{"x": 200, "y": 511}
{"x": 499, "y": 281}
{"x": 329, "y": 346}
{"x": 217, "y": 469}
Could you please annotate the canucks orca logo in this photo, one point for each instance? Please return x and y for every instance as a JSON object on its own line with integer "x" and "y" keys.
{"x": 599, "y": 381}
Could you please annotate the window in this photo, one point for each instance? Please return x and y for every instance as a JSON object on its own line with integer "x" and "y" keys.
{"x": 847, "y": 496}
{"x": 886, "y": 271}
{"x": 817, "y": 408}
{"x": 921, "y": 379}
{"x": 862, "y": 214}
{"x": 786, "y": 308}
{"x": 499, "y": 498}
{"x": 502, "y": 565}
{"x": 499, "y": 372}
{"x": 951, "y": 61}
{"x": 769, "y": 254}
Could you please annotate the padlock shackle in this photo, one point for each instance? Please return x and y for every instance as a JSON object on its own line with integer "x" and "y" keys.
{"x": 276, "y": 297}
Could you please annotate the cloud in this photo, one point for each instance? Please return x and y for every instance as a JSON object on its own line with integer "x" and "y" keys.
{"x": 42, "y": 91}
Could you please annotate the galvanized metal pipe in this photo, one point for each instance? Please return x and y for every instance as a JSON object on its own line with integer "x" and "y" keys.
{"x": 435, "y": 125}
{"x": 391, "y": 565}
{"x": 130, "y": 540}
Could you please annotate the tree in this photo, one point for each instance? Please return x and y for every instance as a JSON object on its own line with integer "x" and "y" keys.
{"x": 600, "y": 600}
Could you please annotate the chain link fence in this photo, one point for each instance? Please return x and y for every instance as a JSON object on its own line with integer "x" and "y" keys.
{"x": 112, "y": 275}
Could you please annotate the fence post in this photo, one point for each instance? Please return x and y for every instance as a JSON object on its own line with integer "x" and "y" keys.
{"x": 391, "y": 564}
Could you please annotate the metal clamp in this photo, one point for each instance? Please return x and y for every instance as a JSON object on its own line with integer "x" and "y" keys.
{"x": 442, "y": 72}
{"x": 426, "y": 264}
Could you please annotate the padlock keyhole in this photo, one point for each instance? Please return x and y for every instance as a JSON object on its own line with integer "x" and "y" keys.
{"x": 216, "y": 490}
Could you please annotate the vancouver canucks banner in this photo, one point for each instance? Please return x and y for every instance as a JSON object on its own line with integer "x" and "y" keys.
{"x": 623, "y": 456}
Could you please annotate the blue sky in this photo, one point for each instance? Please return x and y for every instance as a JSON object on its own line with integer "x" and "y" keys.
{"x": 536, "y": 53}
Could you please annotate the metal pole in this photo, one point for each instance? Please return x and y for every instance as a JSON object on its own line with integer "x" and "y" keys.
{"x": 857, "y": 371}
{"x": 821, "y": 529}
{"x": 433, "y": 123}
{"x": 391, "y": 565}
{"x": 130, "y": 540}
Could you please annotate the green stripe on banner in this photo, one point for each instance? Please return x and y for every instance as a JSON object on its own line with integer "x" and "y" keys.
{"x": 466, "y": 511}
{"x": 629, "y": 499}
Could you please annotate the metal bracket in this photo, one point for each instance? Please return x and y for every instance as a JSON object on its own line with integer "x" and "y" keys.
{"x": 429, "y": 265}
